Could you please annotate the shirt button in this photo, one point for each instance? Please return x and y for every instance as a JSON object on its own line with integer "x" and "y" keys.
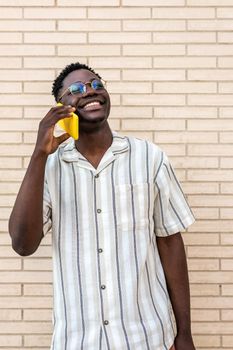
{"x": 103, "y": 286}
{"x": 106, "y": 322}
{"x": 96, "y": 176}
{"x": 99, "y": 211}
{"x": 100, "y": 250}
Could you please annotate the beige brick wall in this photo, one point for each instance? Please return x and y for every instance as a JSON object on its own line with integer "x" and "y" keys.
{"x": 180, "y": 52}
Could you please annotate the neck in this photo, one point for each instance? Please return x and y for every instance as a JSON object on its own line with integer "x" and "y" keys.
{"x": 94, "y": 142}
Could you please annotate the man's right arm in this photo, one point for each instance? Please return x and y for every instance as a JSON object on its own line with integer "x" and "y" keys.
{"x": 26, "y": 220}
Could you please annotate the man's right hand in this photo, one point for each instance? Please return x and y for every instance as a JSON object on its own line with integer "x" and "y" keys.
{"x": 46, "y": 142}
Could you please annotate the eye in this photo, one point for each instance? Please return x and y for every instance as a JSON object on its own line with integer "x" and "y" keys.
{"x": 97, "y": 84}
{"x": 76, "y": 88}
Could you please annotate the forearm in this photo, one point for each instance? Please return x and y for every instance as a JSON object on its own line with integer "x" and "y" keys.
{"x": 172, "y": 254}
{"x": 26, "y": 220}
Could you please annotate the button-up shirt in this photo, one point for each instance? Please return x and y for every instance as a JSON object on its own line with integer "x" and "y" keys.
{"x": 109, "y": 286}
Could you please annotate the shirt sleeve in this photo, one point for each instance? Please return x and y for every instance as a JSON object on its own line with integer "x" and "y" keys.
{"x": 47, "y": 210}
{"x": 172, "y": 213}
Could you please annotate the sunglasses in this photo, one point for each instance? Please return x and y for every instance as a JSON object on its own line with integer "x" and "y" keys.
{"x": 80, "y": 88}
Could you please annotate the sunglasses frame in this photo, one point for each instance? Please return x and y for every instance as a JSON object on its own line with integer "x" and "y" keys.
{"x": 84, "y": 85}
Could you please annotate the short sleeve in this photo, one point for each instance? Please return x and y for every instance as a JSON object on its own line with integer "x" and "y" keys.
{"x": 172, "y": 213}
{"x": 47, "y": 211}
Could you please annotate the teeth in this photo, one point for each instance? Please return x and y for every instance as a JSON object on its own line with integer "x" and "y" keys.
{"x": 91, "y": 104}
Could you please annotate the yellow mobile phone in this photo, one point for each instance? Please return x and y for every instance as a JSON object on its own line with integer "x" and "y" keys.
{"x": 70, "y": 125}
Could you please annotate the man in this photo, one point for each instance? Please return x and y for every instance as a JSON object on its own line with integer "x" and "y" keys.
{"x": 115, "y": 209}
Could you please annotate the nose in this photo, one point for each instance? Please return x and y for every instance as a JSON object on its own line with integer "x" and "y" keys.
{"x": 89, "y": 90}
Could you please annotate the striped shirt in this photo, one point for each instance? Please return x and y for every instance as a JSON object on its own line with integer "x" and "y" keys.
{"x": 109, "y": 286}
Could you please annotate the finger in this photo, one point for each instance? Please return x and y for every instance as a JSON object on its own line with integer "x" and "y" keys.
{"x": 62, "y": 138}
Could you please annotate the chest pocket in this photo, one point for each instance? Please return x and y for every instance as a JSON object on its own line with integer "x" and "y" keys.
{"x": 133, "y": 206}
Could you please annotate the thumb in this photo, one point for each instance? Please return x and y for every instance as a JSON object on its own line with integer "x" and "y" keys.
{"x": 62, "y": 138}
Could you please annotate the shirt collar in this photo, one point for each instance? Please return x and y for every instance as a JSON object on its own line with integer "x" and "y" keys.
{"x": 71, "y": 154}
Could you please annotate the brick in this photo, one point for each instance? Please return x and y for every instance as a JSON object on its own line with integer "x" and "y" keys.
{"x": 5, "y": 213}
{"x": 227, "y": 340}
{"x": 53, "y": 38}
{"x": 209, "y": 25}
{"x": 211, "y": 341}
{"x": 25, "y": 327}
{"x": 206, "y": 315}
{"x": 225, "y": 12}
{"x": 226, "y": 264}
{"x": 37, "y": 315}
{"x": 25, "y": 276}
{"x": 89, "y": 26}
{"x": 217, "y": 150}
{"x": 34, "y": 340}
{"x": 153, "y": 50}
{"x": 184, "y": 62}
{"x": 176, "y": 151}
{"x": 225, "y": 88}
{"x": 5, "y": 237}
{"x": 129, "y": 88}
{"x": 35, "y": 112}
{"x": 206, "y": 213}
{"x": 195, "y": 162}
{"x": 6, "y": 201}
{"x": 130, "y": 112}
{"x": 187, "y": 137}
{"x": 154, "y": 3}
{"x": 89, "y": 50}
{"x": 226, "y": 163}
{"x": 210, "y": 252}
{"x": 201, "y": 188}
{"x": 184, "y": 37}
{"x": 88, "y": 3}
{"x": 226, "y": 315}
{"x": 210, "y": 200}
{"x": 119, "y": 13}
{"x": 38, "y": 290}
{"x": 10, "y": 340}
{"x": 10, "y": 289}
{"x": 55, "y": 13}
{"x": 114, "y": 124}
{"x": 25, "y": 26}
{"x": 22, "y": 100}
{"x": 11, "y": 137}
{"x": 10, "y": 62}
{"x": 212, "y": 277}
{"x": 37, "y": 264}
{"x": 154, "y": 74}
{"x": 203, "y": 264}
{"x": 226, "y": 238}
{"x": 26, "y": 75}
{"x": 225, "y": 112}
{"x": 186, "y": 112}
{"x": 8, "y": 252}
{"x": 202, "y": 239}
{"x": 11, "y": 13}
{"x": 10, "y": 264}
{"x": 226, "y": 188}
{"x": 121, "y": 38}
{"x": 12, "y": 38}
{"x": 120, "y": 62}
{"x": 9, "y": 87}
{"x": 27, "y": 3}
{"x": 204, "y": 289}
{"x": 32, "y": 87}
{"x": 226, "y": 213}
{"x": 226, "y": 37}
{"x": 26, "y": 303}
{"x": 208, "y": 74}
{"x": 227, "y": 289}
{"x": 20, "y": 125}
{"x": 139, "y": 134}
{"x": 154, "y": 100}
{"x": 27, "y": 50}
{"x": 46, "y": 62}
{"x": 184, "y": 87}
{"x": 152, "y": 124}
{"x": 183, "y": 12}
{"x": 9, "y": 188}
{"x": 209, "y": 3}
{"x": 10, "y": 315}
{"x": 152, "y": 25}
{"x": 30, "y": 137}
{"x": 214, "y": 125}
{"x": 210, "y": 50}
{"x": 15, "y": 112}
{"x": 210, "y": 100}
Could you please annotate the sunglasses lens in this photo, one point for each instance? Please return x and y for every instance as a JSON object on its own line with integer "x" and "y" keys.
{"x": 77, "y": 88}
{"x": 97, "y": 84}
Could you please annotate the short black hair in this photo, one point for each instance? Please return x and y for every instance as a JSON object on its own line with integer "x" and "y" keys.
{"x": 58, "y": 82}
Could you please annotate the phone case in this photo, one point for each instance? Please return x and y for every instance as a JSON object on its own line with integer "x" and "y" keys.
{"x": 70, "y": 125}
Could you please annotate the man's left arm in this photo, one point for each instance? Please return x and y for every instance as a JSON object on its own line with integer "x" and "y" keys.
{"x": 173, "y": 258}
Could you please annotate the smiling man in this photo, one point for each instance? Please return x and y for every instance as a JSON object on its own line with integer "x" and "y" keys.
{"x": 115, "y": 209}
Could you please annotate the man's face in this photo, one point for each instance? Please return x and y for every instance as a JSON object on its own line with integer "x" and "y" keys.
{"x": 93, "y": 106}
